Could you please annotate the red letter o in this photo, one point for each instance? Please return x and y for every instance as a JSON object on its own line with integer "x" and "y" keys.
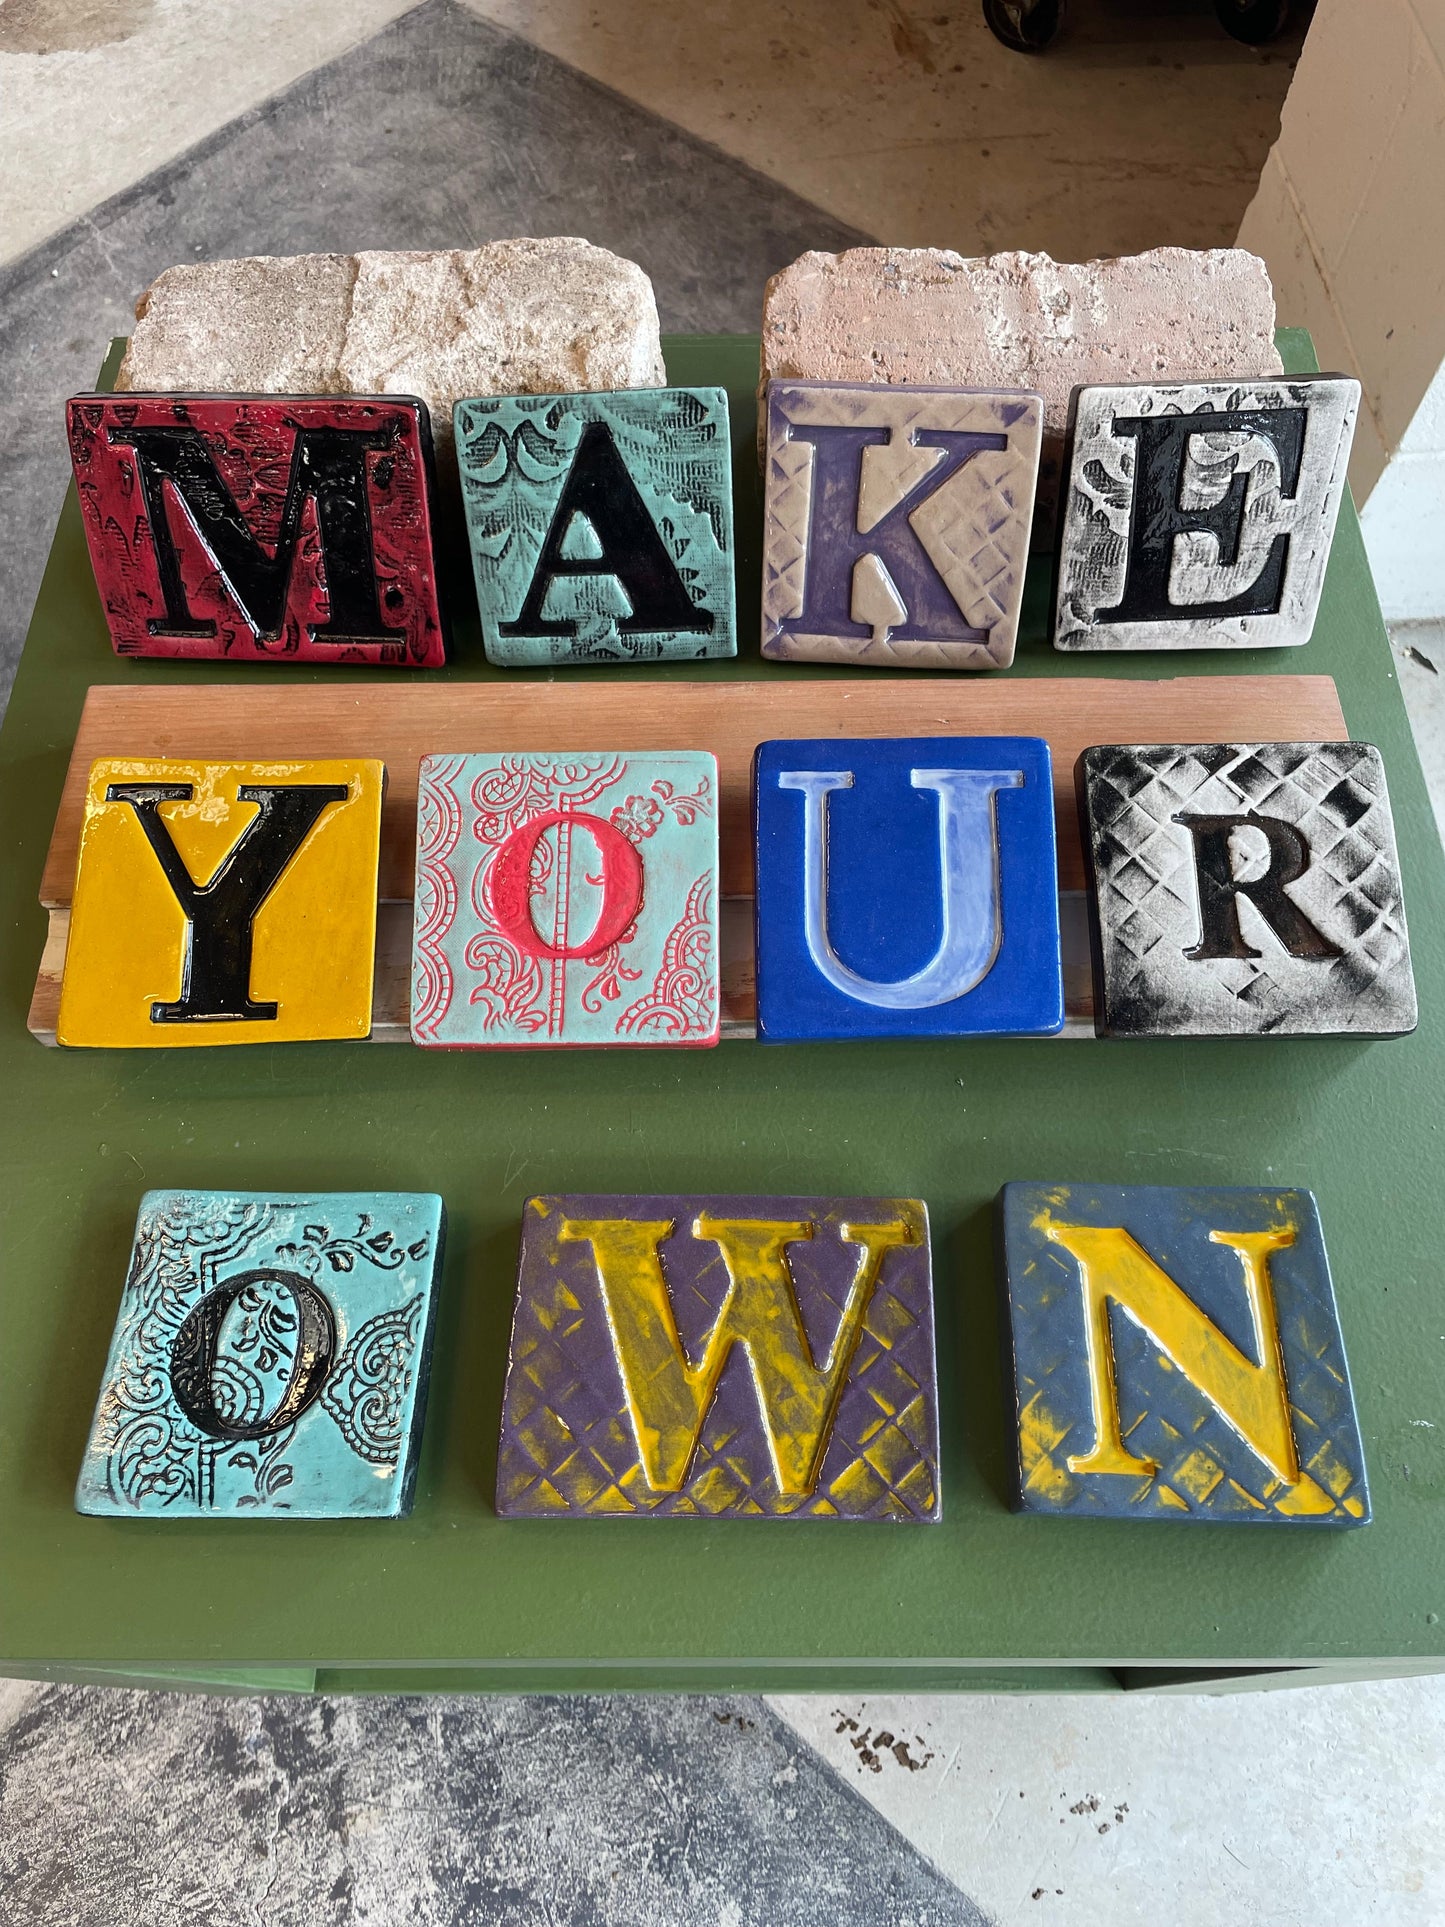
{"x": 511, "y": 885}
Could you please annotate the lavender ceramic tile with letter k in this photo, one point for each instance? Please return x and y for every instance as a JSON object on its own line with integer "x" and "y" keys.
{"x": 896, "y": 528}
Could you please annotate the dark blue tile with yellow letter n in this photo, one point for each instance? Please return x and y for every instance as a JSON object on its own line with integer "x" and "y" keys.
{"x": 1176, "y": 1354}
{"x": 906, "y": 888}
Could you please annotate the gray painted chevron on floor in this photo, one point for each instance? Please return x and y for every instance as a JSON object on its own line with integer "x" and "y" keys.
{"x": 595, "y": 1812}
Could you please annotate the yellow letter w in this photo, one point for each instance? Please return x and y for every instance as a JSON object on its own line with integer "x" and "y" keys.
{"x": 668, "y": 1397}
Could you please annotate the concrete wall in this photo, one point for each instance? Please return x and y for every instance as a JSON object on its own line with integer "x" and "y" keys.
{"x": 1350, "y": 216}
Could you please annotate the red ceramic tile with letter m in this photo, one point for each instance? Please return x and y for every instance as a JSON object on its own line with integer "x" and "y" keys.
{"x": 261, "y": 528}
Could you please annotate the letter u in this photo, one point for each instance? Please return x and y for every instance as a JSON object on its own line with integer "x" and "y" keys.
{"x": 968, "y": 862}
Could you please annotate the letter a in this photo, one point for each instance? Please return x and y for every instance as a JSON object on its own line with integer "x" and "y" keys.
{"x": 627, "y": 547}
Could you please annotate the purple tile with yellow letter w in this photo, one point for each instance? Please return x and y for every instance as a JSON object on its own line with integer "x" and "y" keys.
{"x": 1177, "y": 1354}
{"x": 762, "y": 1357}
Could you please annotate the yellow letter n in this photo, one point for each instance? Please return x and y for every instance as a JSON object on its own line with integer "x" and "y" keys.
{"x": 668, "y": 1397}
{"x": 1252, "y": 1397}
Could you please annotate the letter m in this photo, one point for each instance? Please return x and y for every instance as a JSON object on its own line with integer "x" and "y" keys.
{"x": 668, "y": 1397}
{"x": 328, "y": 467}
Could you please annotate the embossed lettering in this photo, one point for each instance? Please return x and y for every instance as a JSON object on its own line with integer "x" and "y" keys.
{"x": 1252, "y": 1396}
{"x": 836, "y": 543}
{"x": 328, "y": 466}
{"x": 1216, "y": 867}
{"x": 307, "y": 1331}
{"x": 220, "y": 915}
{"x": 968, "y": 865}
{"x": 1157, "y": 518}
{"x": 627, "y": 547}
{"x": 668, "y": 1397}
{"x": 510, "y": 884}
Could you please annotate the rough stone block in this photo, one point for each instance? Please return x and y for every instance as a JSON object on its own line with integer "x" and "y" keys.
{"x": 896, "y": 524}
{"x": 698, "y": 1356}
{"x": 600, "y": 526}
{"x": 1200, "y": 515}
{"x": 567, "y": 899}
{"x": 1176, "y": 1355}
{"x": 1244, "y": 889}
{"x": 938, "y": 319}
{"x": 251, "y": 529}
{"x": 513, "y": 317}
{"x": 270, "y": 1360}
{"x": 276, "y": 944}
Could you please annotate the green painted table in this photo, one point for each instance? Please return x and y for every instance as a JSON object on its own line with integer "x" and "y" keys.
{"x": 453, "y": 1597}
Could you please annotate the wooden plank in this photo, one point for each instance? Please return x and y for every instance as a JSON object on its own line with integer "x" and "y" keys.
{"x": 402, "y": 722}
{"x": 391, "y": 1002}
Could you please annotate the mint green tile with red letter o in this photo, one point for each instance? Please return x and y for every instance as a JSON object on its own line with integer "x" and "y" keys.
{"x": 566, "y": 899}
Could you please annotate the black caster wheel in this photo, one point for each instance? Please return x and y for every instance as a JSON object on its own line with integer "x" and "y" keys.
{"x": 1253, "y": 21}
{"x": 1027, "y": 26}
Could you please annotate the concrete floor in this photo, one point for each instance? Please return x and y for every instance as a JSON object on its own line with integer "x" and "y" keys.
{"x": 713, "y": 143}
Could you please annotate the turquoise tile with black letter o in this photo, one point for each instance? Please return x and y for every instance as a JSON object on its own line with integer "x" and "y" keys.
{"x": 270, "y": 1358}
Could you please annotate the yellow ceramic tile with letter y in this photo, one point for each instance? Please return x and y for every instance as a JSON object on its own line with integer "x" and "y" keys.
{"x": 223, "y": 903}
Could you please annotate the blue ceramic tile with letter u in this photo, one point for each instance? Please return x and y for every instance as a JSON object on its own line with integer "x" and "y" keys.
{"x": 906, "y": 888}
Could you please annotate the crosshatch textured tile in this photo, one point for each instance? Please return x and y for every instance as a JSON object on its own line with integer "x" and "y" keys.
{"x": 1176, "y": 1354}
{"x": 906, "y": 887}
{"x": 896, "y": 523}
{"x": 722, "y": 1355}
{"x": 1244, "y": 889}
{"x": 567, "y": 899}
{"x": 601, "y": 525}
{"x": 1200, "y": 515}
{"x": 270, "y": 1358}
{"x": 289, "y": 528}
{"x": 223, "y": 903}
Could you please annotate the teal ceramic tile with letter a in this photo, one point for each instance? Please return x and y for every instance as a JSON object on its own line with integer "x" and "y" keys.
{"x": 601, "y": 525}
{"x": 270, "y": 1358}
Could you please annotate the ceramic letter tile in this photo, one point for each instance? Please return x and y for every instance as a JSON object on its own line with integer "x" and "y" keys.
{"x": 1200, "y": 515}
{"x": 261, "y": 528}
{"x": 567, "y": 899}
{"x": 601, "y": 525}
{"x": 270, "y": 1359}
{"x": 764, "y": 1357}
{"x": 223, "y": 903}
{"x": 1244, "y": 889}
{"x": 906, "y": 887}
{"x": 896, "y": 523}
{"x": 1176, "y": 1354}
